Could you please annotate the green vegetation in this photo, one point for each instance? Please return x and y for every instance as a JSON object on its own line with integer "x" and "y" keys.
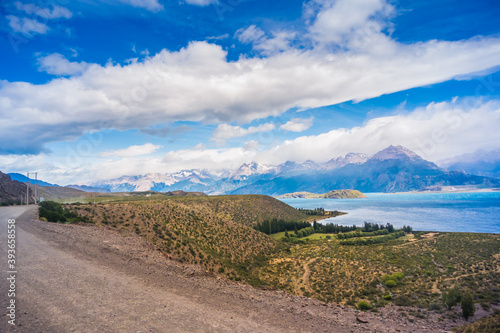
{"x": 413, "y": 270}
{"x": 54, "y": 212}
{"x": 467, "y": 305}
{"x": 274, "y": 226}
{"x": 320, "y": 212}
{"x": 364, "y": 305}
{"x": 430, "y": 270}
{"x": 452, "y": 297}
{"x": 214, "y": 232}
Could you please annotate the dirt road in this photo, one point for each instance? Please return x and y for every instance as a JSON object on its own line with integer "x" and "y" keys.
{"x": 73, "y": 278}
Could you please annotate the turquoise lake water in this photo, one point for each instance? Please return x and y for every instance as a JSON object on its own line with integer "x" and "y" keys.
{"x": 459, "y": 212}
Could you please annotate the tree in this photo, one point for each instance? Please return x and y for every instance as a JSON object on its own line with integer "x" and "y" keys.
{"x": 452, "y": 297}
{"x": 467, "y": 304}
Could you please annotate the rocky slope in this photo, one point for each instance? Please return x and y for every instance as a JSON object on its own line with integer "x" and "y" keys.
{"x": 11, "y": 191}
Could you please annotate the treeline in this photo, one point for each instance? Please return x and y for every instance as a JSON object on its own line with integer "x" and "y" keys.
{"x": 368, "y": 227}
{"x": 373, "y": 240}
{"x": 363, "y": 234}
{"x": 317, "y": 211}
{"x": 273, "y": 226}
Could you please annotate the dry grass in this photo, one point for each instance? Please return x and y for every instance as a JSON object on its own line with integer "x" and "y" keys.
{"x": 431, "y": 265}
{"x": 202, "y": 231}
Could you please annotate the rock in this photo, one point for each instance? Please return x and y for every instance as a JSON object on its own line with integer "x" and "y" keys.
{"x": 361, "y": 317}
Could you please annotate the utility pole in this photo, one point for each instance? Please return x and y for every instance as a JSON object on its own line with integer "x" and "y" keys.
{"x": 36, "y": 176}
{"x": 27, "y": 188}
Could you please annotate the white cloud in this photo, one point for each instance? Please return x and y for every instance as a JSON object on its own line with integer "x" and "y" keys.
{"x": 198, "y": 83}
{"x": 131, "y": 151}
{"x": 337, "y": 19}
{"x": 200, "y": 157}
{"x": 250, "y": 34}
{"x": 201, "y": 2}
{"x": 297, "y": 124}
{"x": 220, "y": 37}
{"x": 435, "y": 132}
{"x": 280, "y": 40}
{"x": 56, "y": 12}
{"x": 57, "y": 64}
{"x": 26, "y": 26}
{"x": 225, "y": 132}
{"x": 151, "y": 5}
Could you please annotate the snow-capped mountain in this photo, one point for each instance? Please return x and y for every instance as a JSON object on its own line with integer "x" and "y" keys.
{"x": 339, "y": 162}
{"x": 394, "y": 153}
{"x": 392, "y": 169}
{"x": 248, "y": 169}
{"x": 187, "y": 179}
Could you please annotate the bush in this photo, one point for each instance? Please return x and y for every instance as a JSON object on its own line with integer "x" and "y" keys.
{"x": 452, "y": 297}
{"x": 364, "y": 305}
{"x": 52, "y": 211}
{"x": 391, "y": 283}
{"x": 467, "y": 304}
{"x": 387, "y": 297}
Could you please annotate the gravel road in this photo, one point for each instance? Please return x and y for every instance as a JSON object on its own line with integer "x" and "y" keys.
{"x": 78, "y": 278}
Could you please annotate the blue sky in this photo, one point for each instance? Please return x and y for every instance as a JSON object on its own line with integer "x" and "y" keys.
{"x": 93, "y": 90}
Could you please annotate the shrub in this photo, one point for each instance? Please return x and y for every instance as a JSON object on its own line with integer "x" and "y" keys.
{"x": 391, "y": 283}
{"x": 467, "y": 304}
{"x": 364, "y": 305}
{"x": 52, "y": 211}
{"x": 387, "y": 297}
{"x": 452, "y": 297}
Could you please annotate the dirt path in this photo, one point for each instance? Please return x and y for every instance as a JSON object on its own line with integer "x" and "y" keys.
{"x": 75, "y": 278}
{"x": 304, "y": 282}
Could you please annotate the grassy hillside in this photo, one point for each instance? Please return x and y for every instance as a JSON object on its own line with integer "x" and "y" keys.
{"x": 246, "y": 209}
{"x": 422, "y": 268}
{"x": 214, "y": 232}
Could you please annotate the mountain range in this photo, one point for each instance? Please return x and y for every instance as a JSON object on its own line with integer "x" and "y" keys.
{"x": 393, "y": 169}
{"x": 482, "y": 163}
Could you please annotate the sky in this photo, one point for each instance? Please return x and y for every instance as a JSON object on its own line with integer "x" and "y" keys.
{"x": 96, "y": 89}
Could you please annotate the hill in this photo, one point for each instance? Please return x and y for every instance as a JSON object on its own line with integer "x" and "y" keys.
{"x": 335, "y": 194}
{"x": 214, "y": 232}
{"x": 11, "y": 191}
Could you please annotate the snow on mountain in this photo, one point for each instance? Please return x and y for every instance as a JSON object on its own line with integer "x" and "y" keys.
{"x": 339, "y": 162}
{"x": 156, "y": 181}
{"x": 246, "y": 170}
{"x": 395, "y": 152}
{"x": 394, "y": 168}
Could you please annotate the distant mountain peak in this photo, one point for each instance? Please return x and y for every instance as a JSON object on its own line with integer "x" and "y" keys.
{"x": 395, "y": 152}
{"x": 248, "y": 169}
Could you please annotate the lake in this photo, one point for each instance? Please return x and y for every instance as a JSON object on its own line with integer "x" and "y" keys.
{"x": 458, "y": 212}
